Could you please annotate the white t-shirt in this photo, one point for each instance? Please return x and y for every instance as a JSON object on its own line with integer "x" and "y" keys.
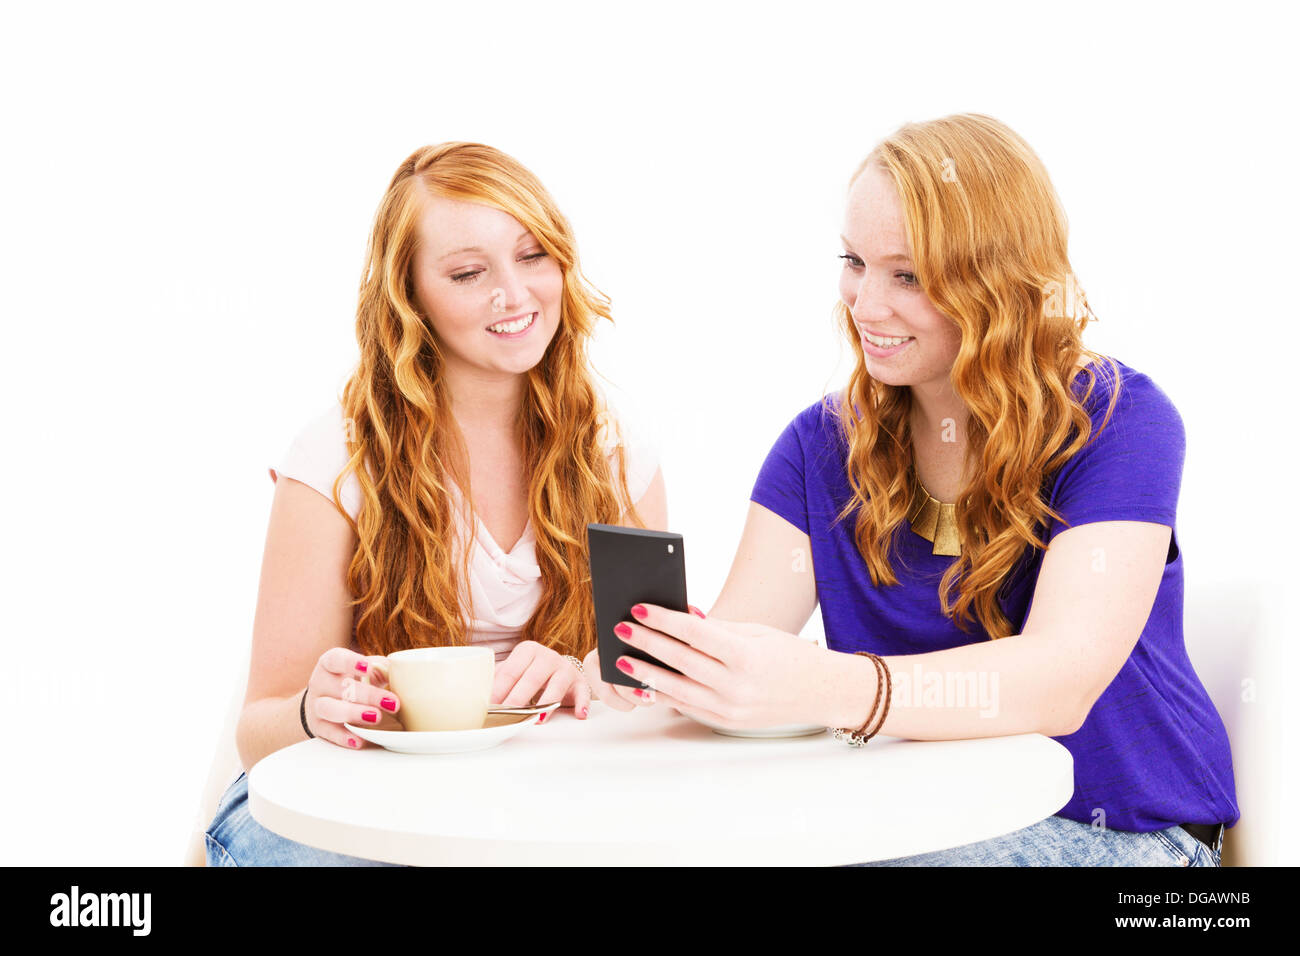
{"x": 505, "y": 586}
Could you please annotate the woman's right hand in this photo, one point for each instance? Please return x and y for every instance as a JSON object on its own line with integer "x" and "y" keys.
{"x": 336, "y": 695}
{"x": 619, "y": 696}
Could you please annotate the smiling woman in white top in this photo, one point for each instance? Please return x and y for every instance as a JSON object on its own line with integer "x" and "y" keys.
{"x": 444, "y": 500}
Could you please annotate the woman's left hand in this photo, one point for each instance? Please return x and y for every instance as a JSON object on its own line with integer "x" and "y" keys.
{"x": 732, "y": 674}
{"x": 534, "y": 672}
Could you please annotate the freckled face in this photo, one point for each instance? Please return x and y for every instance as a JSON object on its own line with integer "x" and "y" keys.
{"x": 490, "y": 290}
{"x": 883, "y": 294}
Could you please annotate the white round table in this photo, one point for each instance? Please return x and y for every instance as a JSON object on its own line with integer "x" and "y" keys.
{"x": 654, "y": 788}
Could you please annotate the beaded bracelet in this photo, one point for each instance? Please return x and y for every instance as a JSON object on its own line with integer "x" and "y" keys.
{"x": 856, "y": 738}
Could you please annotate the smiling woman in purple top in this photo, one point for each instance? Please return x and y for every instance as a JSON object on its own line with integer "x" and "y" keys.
{"x": 987, "y": 505}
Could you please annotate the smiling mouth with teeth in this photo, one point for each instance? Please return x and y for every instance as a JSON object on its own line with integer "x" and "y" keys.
{"x": 510, "y": 328}
{"x": 886, "y": 343}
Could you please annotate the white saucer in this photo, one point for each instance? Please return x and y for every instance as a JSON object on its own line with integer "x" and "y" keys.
{"x": 765, "y": 733}
{"x": 498, "y": 728}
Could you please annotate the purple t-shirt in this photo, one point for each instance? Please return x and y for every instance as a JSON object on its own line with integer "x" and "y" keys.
{"x": 1153, "y": 751}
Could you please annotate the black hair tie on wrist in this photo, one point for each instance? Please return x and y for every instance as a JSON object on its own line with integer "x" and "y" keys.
{"x": 302, "y": 714}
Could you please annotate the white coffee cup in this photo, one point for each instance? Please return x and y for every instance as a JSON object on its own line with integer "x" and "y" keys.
{"x": 441, "y": 688}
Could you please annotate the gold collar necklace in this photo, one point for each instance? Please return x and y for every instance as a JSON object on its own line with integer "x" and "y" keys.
{"x": 933, "y": 520}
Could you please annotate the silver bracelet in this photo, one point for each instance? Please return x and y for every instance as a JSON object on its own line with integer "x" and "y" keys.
{"x": 574, "y": 661}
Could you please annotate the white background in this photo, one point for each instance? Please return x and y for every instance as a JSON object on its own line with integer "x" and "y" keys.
{"x": 185, "y": 198}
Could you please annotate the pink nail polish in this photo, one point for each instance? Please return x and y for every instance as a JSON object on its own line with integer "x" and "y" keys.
{"x": 363, "y": 666}
{"x": 370, "y": 716}
{"x": 622, "y": 630}
{"x": 639, "y": 612}
{"x": 352, "y": 742}
{"x": 695, "y": 610}
{"x": 388, "y": 704}
{"x": 541, "y": 718}
{"x": 624, "y": 666}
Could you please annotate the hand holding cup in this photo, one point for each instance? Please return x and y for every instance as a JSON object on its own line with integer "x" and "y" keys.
{"x": 337, "y": 695}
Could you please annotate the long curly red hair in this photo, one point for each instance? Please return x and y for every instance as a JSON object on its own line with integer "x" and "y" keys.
{"x": 404, "y": 447}
{"x": 988, "y": 237}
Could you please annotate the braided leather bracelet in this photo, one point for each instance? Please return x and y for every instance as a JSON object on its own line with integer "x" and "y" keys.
{"x": 856, "y": 738}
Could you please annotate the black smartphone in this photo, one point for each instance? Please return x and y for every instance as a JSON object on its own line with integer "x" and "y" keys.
{"x": 632, "y": 566}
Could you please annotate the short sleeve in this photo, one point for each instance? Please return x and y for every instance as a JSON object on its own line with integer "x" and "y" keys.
{"x": 318, "y": 455}
{"x": 1132, "y": 470}
{"x": 781, "y": 486}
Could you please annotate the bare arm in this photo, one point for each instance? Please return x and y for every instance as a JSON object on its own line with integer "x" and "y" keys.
{"x": 302, "y": 611}
{"x": 1086, "y": 617}
{"x": 1093, "y": 595}
{"x": 771, "y": 579}
{"x": 653, "y": 506}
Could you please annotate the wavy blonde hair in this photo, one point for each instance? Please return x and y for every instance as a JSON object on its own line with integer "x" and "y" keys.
{"x": 403, "y": 576}
{"x": 988, "y": 239}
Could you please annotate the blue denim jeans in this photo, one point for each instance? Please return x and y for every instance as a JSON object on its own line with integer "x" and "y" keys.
{"x": 1057, "y": 841}
{"x": 234, "y": 838}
